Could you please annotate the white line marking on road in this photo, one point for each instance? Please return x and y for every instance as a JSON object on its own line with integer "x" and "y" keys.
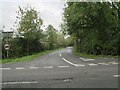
{"x": 116, "y": 76}
{"x": 69, "y": 62}
{"x": 19, "y": 68}
{"x": 101, "y": 63}
{"x": 33, "y": 67}
{"x": 60, "y": 54}
{"x": 79, "y": 65}
{"x": 113, "y": 62}
{"x": 92, "y": 64}
{"x": 66, "y": 80}
{"x": 87, "y": 59}
{"x": 72, "y": 63}
{"x": 5, "y": 68}
{"x": 32, "y": 82}
{"x": 104, "y": 63}
{"x": 48, "y": 67}
{"x": 90, "y": 59}
{"x": 63, "y": 66}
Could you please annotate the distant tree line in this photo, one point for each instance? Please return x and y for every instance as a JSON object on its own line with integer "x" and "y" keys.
{"x": 94, "y": 25}
{"x": 31, "y": 38}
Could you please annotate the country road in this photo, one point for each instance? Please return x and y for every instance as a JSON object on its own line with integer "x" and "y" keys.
{"x": 61, "y": 69}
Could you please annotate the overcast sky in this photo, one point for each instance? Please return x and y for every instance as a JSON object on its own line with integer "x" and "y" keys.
{"x": 50, "y": 11}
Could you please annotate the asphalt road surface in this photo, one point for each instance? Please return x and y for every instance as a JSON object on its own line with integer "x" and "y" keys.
{"x": 61, "y": 69}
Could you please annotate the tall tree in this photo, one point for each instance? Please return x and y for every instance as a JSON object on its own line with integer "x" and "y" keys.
{"x": 95, "y": 26}
{"x": 52, "y": 36}
{"x": 29, "y": 25}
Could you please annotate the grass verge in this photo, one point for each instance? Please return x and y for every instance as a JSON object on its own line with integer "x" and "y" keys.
{"x": 93, "y": 56}
{"x": 26, "y": 58}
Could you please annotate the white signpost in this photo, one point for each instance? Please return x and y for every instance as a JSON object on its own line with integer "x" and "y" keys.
{"x": 7, "y": 47}
{"x": 6, "y": 36}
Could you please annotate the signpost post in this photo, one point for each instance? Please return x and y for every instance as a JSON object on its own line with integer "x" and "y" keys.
{"x": 7, "y": 47}
{"x": 6, "y": 36}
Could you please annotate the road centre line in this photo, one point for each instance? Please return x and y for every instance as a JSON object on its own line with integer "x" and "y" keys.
{"x": 101, "y": 63}
{"x": 20, "y": 68}
{"x": 92, "y": 64}
{"x": 48, "y": 67}
{"x": 63, "y": 66}
{"x": 116, "y": 76}
{"x": 90, "y": 59}
{"x": 86, "y": 59}
{"x": 79, "y": 65}
{"x": 104, "y": 63}
{"x": 113, "y": 62}
{"x": 32, "y": 82}
{"x": 5, "y": 68}
{"x": 33, "y": 67}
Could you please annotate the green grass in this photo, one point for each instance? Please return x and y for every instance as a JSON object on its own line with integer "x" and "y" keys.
{"x": 94, "y": 56}
{"x": 26, "y": 58}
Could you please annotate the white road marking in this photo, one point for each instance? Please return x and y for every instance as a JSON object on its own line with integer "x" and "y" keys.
{"x": 113, "y": 62}
{"x": 92, "y": 64}
{"x": 48, "y": 67}
{"x": 66, "y": 80}
{"x": 32, "y": 82}
{"x": 116, "y": 76}
{"x": 90, "y": 59}
{"x": 72, "y": 63}
{"x": 79, "y": 65}
{"x": 33, "y": 67}
{"x": 82, "y": 59}
{"x": 19, "y": 68}
{"x": 87, "y": 59}
{"x": 5, "y": 68}
{"x": 104, "y": 63}
{"x": 60, "y": 54}
{"x": 69, "y": 62}
{"x": 101, "y": 63}
{"x": 63, "y": 66}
